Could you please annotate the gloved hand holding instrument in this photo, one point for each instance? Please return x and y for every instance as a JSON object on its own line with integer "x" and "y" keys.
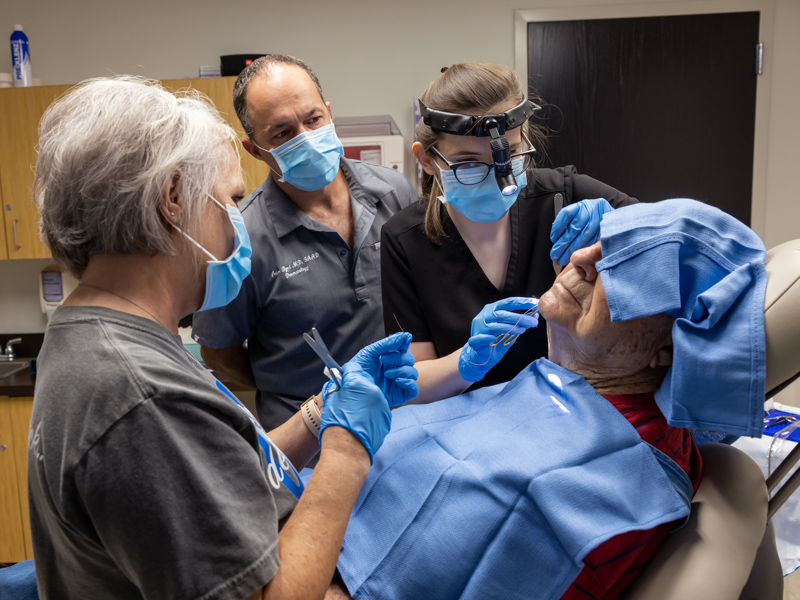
{"x": 493, "y": 332}
{"x": 576, "y": 226}
{"x": 349, "y": 398}
{"x": 360, "y": 407}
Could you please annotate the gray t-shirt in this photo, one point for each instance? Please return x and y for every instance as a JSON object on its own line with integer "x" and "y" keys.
{"x": 145, "y": 480}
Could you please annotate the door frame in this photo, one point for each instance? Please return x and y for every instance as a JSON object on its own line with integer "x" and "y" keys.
{"x": 665, "y": 9}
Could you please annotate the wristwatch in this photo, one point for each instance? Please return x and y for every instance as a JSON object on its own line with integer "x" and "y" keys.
{"x": 311, "y": 416}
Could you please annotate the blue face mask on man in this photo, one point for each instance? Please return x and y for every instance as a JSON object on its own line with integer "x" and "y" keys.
{"x": 224, "y": 277}
{"x": 482, "y": 202}
{"x": 309, "y": 161}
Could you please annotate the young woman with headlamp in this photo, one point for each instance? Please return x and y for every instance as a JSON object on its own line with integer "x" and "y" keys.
{"x": 467, "y": 248}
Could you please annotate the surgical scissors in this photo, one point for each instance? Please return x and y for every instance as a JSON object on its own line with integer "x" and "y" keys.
{"x": 332, "y": 368}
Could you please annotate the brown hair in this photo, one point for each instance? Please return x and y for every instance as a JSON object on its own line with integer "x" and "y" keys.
{"x": 461, "y": 88}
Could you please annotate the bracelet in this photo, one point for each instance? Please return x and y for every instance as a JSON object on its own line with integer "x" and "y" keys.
{"x": 311, "y": 416}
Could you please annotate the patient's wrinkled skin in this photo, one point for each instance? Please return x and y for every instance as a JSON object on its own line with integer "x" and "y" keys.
{"x": 625, "y": 357}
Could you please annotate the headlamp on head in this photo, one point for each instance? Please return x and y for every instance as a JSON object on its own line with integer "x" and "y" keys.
{"x": 493, "y": 126}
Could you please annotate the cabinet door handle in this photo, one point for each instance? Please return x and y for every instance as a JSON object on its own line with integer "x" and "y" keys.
{"x": 14, "y": 227}
{"x": 2, "y": 447}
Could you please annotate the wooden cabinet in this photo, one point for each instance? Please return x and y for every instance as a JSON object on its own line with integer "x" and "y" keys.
{"x": 3, "y": 249}
{"x": 15, "y": 530}
{"x": 20, "y": 112}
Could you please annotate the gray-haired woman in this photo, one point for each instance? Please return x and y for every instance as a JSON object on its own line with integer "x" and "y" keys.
{"x": 147, "y": 479}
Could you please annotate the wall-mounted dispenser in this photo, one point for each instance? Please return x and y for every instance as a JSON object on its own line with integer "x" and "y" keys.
{"x": 54, "y": 287}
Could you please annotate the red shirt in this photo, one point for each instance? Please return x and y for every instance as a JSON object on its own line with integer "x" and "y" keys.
{"x": 612, "y": 566}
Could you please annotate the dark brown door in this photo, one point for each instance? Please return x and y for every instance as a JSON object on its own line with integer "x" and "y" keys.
{"x": 658, "y": 107}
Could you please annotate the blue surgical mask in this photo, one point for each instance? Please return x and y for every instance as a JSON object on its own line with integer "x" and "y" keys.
{"x": 309, "y": 161}
{"x": 224, "y": 277}
{"x": 482, "y": 202}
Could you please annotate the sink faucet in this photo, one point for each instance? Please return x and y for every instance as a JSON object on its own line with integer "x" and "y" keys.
{"x": 9, "y": 354}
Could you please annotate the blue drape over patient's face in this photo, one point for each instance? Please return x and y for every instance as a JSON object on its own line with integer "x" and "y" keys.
{"x": 706, "y": 269}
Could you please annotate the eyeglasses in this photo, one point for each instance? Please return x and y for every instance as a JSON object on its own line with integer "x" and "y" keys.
{"x": 473, "y": 172}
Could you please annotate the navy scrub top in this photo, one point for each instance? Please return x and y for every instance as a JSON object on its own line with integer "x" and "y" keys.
{"x": 304, "y": 275}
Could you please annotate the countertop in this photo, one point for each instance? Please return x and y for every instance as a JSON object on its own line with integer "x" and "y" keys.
{"x": 20, "y": 383}
{"x": 23, "y": 382}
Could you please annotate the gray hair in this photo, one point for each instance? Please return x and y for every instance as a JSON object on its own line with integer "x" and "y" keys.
{"x": 263, "y": 66}
{"x": 108, "y": 152}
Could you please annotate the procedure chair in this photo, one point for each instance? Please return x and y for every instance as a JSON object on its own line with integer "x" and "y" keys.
{"x": 727, "y": 549}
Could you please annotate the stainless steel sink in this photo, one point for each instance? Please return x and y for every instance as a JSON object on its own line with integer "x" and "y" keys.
{"x": 10, "y": 367}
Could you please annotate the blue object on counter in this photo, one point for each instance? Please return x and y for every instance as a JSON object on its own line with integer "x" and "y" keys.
{"x": 21, "y": 58}
{"x": 32, "y": 366}
{"x": 776, "y": 420}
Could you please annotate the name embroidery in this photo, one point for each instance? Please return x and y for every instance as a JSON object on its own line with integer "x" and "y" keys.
{"x": 295, "y": 267}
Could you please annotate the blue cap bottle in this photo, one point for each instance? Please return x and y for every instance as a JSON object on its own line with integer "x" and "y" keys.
{"x": 21, "y": 58}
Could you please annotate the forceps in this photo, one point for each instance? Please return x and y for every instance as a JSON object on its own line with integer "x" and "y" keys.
{"x": 332, "y": 368}
{"x": 506, "y": 338}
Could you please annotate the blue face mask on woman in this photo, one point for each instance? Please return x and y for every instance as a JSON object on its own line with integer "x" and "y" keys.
{"x": 482, "y": 202}
{"x": 224, "y": 277}
{"x": 309, "y": 161}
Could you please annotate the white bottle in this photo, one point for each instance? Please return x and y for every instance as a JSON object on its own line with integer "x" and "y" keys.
{"x": 21, "y": 58}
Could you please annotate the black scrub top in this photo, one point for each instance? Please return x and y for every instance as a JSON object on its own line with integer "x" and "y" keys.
{"x": 433, "y": 291}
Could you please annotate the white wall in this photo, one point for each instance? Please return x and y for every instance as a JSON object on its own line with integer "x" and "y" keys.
{"x": 783, "y": 199}
{"x": 372, "y": 57}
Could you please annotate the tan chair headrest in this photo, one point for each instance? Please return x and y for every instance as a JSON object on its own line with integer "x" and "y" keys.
{"x": 782, "y": 316}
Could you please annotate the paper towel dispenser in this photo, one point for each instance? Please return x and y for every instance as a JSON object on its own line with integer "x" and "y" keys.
{"x": 54, "y": 287}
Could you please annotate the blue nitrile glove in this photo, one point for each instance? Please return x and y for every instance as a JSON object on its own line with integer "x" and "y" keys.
{"x": 493, "y": 332}
{"x": 391, "y": 366}
{"x": 359, "y": 407}
{"x": 576, "y": 226}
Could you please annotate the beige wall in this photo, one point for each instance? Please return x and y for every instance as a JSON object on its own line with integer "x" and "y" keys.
{"x": 783, "y": 199}
{"x": 372, "y": 57}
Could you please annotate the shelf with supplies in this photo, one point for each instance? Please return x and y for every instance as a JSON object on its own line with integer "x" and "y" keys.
{"x": 20, "y": 112}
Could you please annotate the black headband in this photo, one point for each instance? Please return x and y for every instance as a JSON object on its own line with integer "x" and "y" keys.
{"x": 478, "y": 126}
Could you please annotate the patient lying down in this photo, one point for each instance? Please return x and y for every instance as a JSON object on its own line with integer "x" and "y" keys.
{"x": 562, "y": 483}
{"x": 625, "y": 362}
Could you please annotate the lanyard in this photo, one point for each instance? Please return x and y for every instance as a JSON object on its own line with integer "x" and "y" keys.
{"x": 276, "y": 467}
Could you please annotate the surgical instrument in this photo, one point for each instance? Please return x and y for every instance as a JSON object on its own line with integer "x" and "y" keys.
{"x": 332, "y": 368}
